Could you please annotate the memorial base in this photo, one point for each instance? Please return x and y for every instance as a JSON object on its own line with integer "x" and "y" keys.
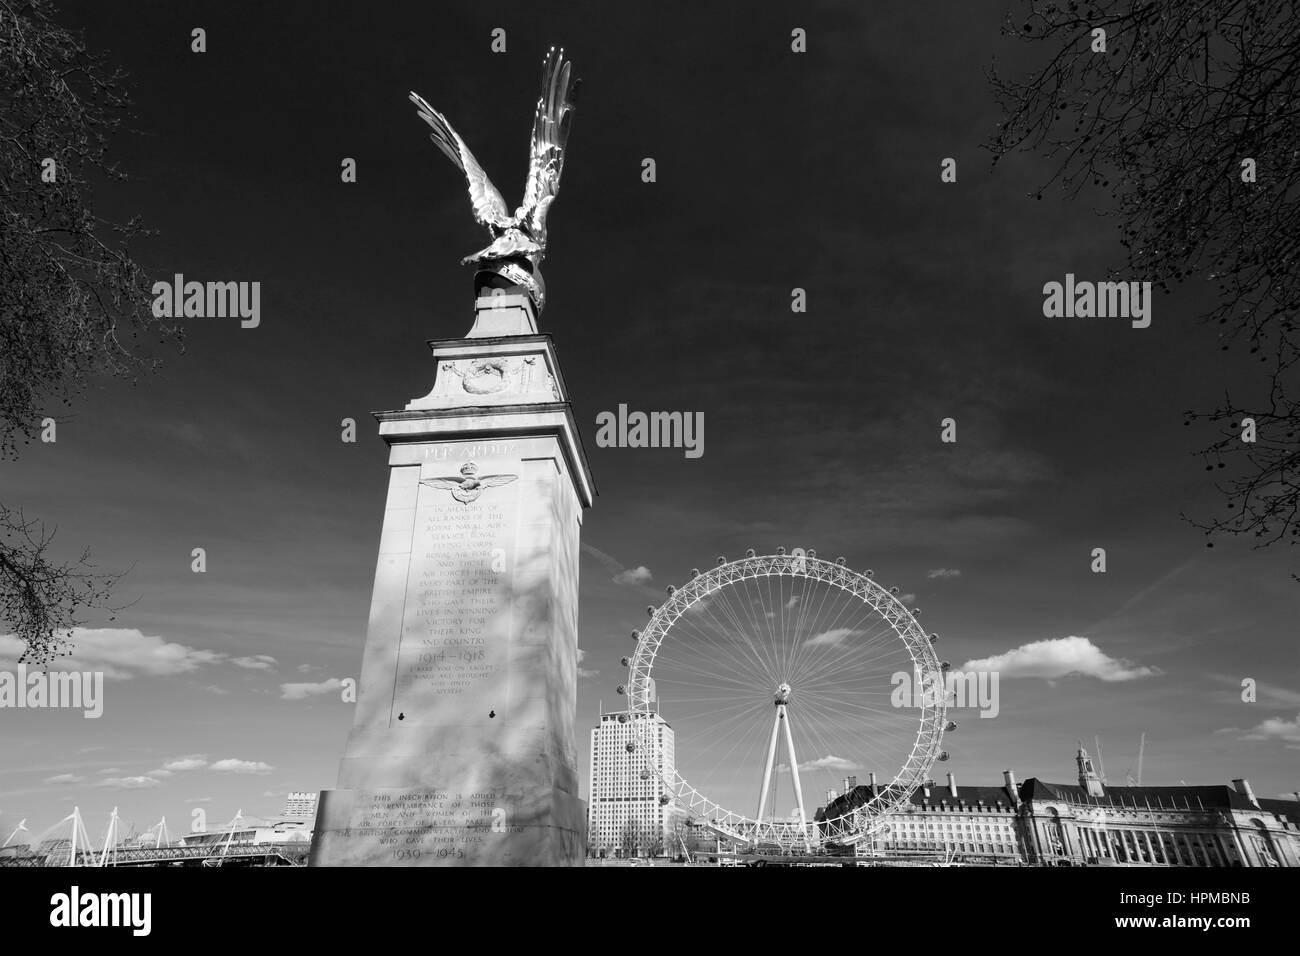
{"x": 409, "y": 826}
{"x": 462, "y": 748}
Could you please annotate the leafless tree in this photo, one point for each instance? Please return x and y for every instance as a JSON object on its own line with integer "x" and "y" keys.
{"x": 1190, "y": 119}
{"x": 74, "y": 304}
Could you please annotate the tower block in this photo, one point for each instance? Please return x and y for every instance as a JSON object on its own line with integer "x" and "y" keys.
{"x": 462, "y": 749}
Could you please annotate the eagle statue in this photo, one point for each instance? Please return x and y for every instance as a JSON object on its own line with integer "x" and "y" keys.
{"x": 512, "y": 262}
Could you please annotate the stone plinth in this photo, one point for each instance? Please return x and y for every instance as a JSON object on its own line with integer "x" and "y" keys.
{"x": 462, "y": 750}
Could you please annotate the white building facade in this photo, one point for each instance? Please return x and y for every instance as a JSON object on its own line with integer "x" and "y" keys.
{"x": 299, "y": 805}
{"x": 628, "y": 810}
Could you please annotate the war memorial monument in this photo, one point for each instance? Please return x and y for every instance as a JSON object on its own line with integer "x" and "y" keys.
{"x": 462, "y": 748}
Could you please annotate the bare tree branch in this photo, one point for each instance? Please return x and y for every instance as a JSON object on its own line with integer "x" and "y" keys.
{"x": 1186, "y": 95}
{"x": 74, "y": 304}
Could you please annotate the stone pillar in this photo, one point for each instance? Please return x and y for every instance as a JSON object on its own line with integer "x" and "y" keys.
{"x": 462, "y": 749}
{"x": 1178, "y": 850}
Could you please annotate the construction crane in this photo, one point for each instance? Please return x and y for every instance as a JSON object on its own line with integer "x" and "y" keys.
{"x": 1142, "y": 747}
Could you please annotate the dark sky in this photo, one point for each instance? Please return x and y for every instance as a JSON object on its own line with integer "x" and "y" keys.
{"x": 775, "y": 171}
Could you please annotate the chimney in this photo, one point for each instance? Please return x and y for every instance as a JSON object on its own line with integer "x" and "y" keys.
{"x": 952, "y": 786}
{"x": 1243, "y": 788}
{"x": 872, "y": 777}
{"x": 853, "y": 782}
{"x": 1012, "y": 790}
{"x": 844, "y": 782}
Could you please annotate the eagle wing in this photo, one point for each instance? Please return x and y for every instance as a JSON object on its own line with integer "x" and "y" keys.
{"x": 489, "y": 207}
{"x": 491, "y": 481}
{"x": 441, "y": 482}
{"x": 550, "y": 132}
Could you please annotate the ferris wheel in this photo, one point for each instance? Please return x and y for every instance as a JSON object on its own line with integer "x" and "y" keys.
{"x": 781, "y": 678}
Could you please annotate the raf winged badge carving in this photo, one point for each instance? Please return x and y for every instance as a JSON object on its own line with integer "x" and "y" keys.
{"x": 513, "y": 260}
{"x": 469, "y": 485}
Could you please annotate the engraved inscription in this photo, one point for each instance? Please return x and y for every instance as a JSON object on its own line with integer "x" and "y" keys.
{"x": 455, "y": 627}
{"x": 431, "y": 825}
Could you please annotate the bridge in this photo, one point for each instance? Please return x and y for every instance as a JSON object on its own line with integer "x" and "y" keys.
{"x": 219, "y": 854}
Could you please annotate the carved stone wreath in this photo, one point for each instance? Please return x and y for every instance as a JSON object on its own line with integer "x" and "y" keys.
{"x": 486, "y": 376}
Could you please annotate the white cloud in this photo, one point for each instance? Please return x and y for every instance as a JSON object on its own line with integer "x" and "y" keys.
{"x": 943, "y": 573}
{"x": 829, "y": 762}
{"x": 304, "y": 691}
{"x": 231, "y": 765}
{"x": 1061, "y": 657}
{"x": 583, "y": 672}
{"x": 198, "y": 799}
{"x": 831, "y": 638}
{"x": 792, "y": 603}
{"x": 65, "y": 778}
{"x": 637, "y": 575}
{"x": 305, "y": 668}
{"x": 1276, "y": 728}
{"x": 907, "y": 598}
{"x": 635, "y": 578}
{"x": 258, "y": 662}
{"x": 120, "y": 653}
{"x": 181, "y": 764}
{"x": 130, "y": 783}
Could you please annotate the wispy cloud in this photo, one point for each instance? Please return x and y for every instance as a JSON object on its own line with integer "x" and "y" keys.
{"x": 829, "y": 762}
{"x": 635, "y": 577}
{"x": 583, "y": 672}
{"x": 1268, "y": 694}
{"x": 181, "y": 764}
{"x": 943, "y": 573}
{"x": 130, "y": 783}
{"x": 832, "y": 638}
{"x": 302, "y": 691}
{"x": 64, "y": 778}
{"x": 231, "y": 765}
{"x": 120, "y": 653}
